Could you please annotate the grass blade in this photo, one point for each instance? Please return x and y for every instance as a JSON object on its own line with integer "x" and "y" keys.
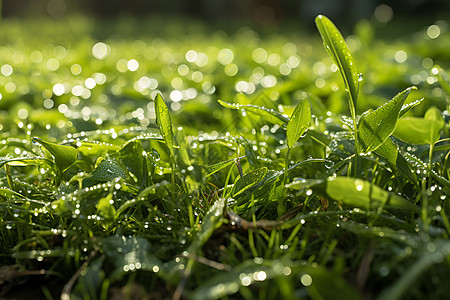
{"x": 213, "y": 219}
{"x": 249, "y": 180}
{"x": 338, "y": 50}
{"x": 164, "y": 122}
{"x": 220, "y": 165}
{"x": 299, "y": 122}
{"x": 10, "y": 194}
{"x": 267, "y": 114}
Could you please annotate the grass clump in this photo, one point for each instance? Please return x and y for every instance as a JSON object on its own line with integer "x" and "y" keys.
{"x": 110, "y": 189}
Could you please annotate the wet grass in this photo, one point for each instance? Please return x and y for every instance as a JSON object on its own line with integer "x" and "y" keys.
{"x": 123, "y": 176}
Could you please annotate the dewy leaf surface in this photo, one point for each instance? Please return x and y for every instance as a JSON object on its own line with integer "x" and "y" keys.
{"x": 336, "y": 47}
{"x": 64, "y": 156}
{"x": 164, "y": 121}
{"x": 270, "y": 115}
{"x": 249, "y": 180}
{"x": 108, "y": 169}
{"x": 407, "y": 107}
{"x": 220, "y": 165}
{"x": 376, "y": 126}
{"x": 389, "y": 151}
{"x": 361, "y": 193}
{"x": 299, "y": 122}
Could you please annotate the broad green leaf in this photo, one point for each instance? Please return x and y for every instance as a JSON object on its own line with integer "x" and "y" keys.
{"x": 376, "y": 126}
{"x": 417, "y": 130}
{"x": 420, "y": 130}
{"x": 299, "y": 122}
{"x": 361, "y": 193}
{"x": 164, "y": 122}
{"x": 336, "y": 47}
{"x": 267, "y": 114}
{"x": 64, "y": 156}
{"x": 108, "y": 169}
{"x": 249, "y": 180}
{"x": 433, "y": 113}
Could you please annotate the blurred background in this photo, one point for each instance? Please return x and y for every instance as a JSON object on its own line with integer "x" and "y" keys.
{"x": 98, "y": 62}
{"x": 259, "y": 12}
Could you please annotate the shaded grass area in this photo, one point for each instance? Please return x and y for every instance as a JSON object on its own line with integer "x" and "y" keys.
{"x": 247, "y": 203}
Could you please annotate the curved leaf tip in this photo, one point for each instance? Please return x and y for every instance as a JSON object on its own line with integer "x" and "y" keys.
{"x": 164, "y": 121}
{"x": 64, "y": 156}
{"x": 339, "y": 52}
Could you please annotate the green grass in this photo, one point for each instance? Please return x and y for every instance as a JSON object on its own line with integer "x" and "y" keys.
{"x": 122, "y": 175}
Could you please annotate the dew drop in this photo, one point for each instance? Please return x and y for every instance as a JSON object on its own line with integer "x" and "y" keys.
{"x": 306, "y": 279}
{"x": 360, "y": 77}
{"x": 384, "y": 271}
{"x": 329, "y": 164}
